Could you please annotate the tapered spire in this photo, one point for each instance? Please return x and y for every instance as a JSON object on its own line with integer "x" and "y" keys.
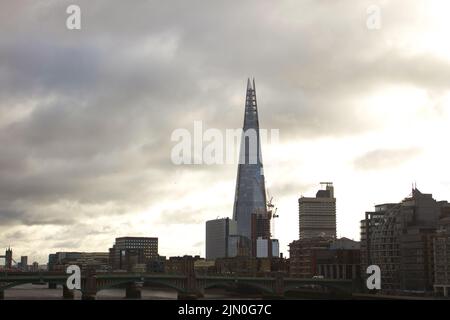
{"x": 250, "y": 196}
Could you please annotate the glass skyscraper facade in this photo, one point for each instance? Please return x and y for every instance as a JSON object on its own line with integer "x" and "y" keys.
{"x": 250, "y": 196}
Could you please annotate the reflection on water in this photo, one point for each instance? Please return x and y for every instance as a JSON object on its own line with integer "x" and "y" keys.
{"x": 31, "y": 291}
{"x": 41, "y": 292}
{"x": 146, "y": 294}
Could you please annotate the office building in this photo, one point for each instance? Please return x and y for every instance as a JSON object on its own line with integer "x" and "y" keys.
{"x": 218, "y": 233}
{"x": 260, "y": 226}
{"x": 267, "y": 248}
{"x": 205, "y": 267}
{"x": 399, "y": 238}
{"x": 157, "y": 265}
{"x": 371, "y": 221}
{"x": 239, "y": 246}
{"x": 303, "y": 256}
{"x": 251, "y": 266}
{"x": 59, "y": 261}
{"x": 262, "y": 248}
{"x": 23, "y": 264}
{"x": 322, "y": 256}
{"x": 341, "y": 261}
{"x": 317, "y": 215}
{"x": 441, "y": 246}
{"x": 181, "y": 265}
{"x": 35, "y": 267}
{"x": 275, "y": 248}
{"x": 94, "y": 261}
{"x": 129, "y": 250}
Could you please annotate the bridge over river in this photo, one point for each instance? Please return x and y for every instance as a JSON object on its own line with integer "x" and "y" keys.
{"x": 187, "y": 286}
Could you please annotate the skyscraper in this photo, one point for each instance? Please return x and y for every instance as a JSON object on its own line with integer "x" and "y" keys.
{"x": 317, "y": 216}
{"x": 250, "y": 195}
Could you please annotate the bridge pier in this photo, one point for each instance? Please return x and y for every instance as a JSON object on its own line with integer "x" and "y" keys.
{"x": 192, "y": 289}
{"x": 133, "y": 290}
{"x": 357, "y": 286}
{"x": 67, "y": 293}
{"x": 279, "y": 287}
{"x": 192, "y": 293}
{"x": 90, "y": 289}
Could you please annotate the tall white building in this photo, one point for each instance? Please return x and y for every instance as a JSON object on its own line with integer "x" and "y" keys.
{"x": 267, "y": 248}
{"x": 262, "y": 248}
{"x": 317, "y": 216}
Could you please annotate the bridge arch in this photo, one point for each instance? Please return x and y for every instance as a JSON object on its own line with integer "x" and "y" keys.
{"x": 218, "y": 284}
{"x": 252, "y": 285}
{"x": 234, "y": 285}
{"x": 113, "y": 284}
{"x": 339, "y": 288}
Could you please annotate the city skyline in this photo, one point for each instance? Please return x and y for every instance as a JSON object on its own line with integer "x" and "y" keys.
{"x": 86, "y": 116}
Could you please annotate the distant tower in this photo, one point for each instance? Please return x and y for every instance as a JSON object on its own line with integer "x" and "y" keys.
{"x": 317, "y": 216}
{"x": 24, "y": 263}
{"x": 8, "y": 258}
{"x": 250, "y": 195}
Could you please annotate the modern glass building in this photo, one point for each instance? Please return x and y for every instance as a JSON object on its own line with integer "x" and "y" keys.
{"x": 218, "y": 233}
{"x": 250, "y": 195}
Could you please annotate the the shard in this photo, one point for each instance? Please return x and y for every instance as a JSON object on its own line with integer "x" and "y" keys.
{"x": 250, "y": 196}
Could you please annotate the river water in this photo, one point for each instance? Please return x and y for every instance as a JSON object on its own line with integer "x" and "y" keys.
{"x": 41, "y": 292}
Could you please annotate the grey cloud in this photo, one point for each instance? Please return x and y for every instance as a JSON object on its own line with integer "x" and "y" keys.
{"x": 385, "y": 158}
{"x": 67, "y": 244}
{"x": 182, "y": 216}
{"x": 104, "y": 100}
{"x": 283, "y": 188}
{"x": 10, "y": 217}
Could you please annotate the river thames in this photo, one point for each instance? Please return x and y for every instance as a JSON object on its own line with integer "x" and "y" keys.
{"x": 41, "y": 292}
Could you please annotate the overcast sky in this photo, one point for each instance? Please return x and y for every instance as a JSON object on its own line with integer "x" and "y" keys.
{"x": 86, "y": 115}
